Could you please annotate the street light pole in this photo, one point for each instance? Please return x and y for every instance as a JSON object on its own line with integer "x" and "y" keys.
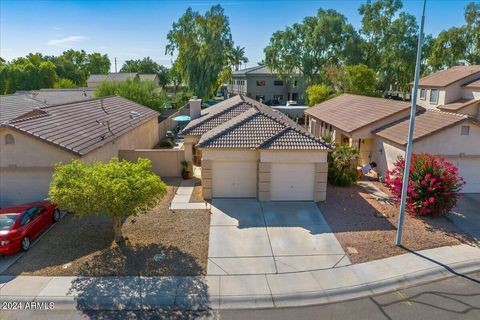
{"x": 413, "y": 111}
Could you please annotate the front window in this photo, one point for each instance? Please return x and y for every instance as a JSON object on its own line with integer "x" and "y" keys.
{"x": 423, "y": 94}
{"x": 260, "y": 98}
{"x": 465, "y": 131}
{"x": 278, "y": 83}
{"x": 9, "y": 139}
{"x": 278, "y": 97}
{"x": 434, "y": 96}
{"x": 7, "y": 221}
{"x": 260, "y": 83}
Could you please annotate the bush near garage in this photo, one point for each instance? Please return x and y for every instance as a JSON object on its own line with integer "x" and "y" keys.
{"x": 433, "y": 185}
{"x": 342, "y": 169}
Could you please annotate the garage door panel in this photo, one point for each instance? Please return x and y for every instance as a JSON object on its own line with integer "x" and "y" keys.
{"x": 292, "y": 181}
{"x": 234, "y": 179}
{"x": 469, "y": 170}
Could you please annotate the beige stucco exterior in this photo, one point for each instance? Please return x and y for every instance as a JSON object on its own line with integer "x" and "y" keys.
{"x": 27, "y": 165}
{"x": 448, "y": 143}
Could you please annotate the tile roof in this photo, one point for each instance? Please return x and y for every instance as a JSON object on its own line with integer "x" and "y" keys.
{"x": 261, "y": 128}
{"x": 473, "y": 84}
{"x": 349, "y": 112}
{"x": 217, "y": 114}
{"x": 458, "y": 104}
{"x": 84, "y": 126}
{"x": 254, "y": 70}
{"x": 427, "y": 122}
{"x": 119, "y": 76}
{"x": 61, "y": 96}
{"x": 447, "y": 77}
{"x": 147, "y": 76}
{"x": 14, "y": 105}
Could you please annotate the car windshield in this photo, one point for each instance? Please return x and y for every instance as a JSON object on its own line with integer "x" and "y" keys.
{"x": 7, "y": 221}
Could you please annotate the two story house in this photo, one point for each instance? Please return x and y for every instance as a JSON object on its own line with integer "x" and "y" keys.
{"x": 447, "y": 123}
{"x": 264, "y": 85}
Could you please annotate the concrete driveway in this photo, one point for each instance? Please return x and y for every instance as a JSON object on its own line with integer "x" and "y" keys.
{"x": 249, "y": 237}
{"x": 467, "y": 214}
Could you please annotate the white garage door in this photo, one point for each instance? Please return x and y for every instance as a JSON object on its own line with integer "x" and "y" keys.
{"x": 234, "y": 179}
{"x": 469, "y": 170}
{"x": 292, "y": 181}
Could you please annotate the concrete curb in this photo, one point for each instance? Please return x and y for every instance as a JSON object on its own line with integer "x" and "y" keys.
{"x": 196, "y": 300}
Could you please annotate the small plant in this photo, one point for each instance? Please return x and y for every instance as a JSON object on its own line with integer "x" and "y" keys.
{"x": 342, "y": 170}
{"x": 433, "y": 185}
{"x": 185, "y": 172}
{"x": 166, "y": 143}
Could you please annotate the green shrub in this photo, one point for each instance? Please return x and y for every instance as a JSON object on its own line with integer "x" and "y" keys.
{"x": 342, "y": 170}
{"x": 318, "y": 93}
{"x": 166, "y": 143}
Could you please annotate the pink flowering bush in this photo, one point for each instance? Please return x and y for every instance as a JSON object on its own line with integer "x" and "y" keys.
{"x": 433, "y": 185}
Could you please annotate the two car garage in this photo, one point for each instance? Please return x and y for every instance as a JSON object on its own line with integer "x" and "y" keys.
{"x": 269, "y": 176}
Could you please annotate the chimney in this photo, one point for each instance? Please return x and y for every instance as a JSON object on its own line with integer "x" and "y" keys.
{"x": 195, "y": 107}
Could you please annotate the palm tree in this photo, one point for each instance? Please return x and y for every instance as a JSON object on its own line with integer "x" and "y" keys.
{"x": 238, "y": 57}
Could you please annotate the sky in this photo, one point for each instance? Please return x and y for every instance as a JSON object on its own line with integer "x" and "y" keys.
{"x": 136, "y": 29}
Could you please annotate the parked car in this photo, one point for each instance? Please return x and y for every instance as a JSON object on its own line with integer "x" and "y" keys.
{"x": 21, "y": 225}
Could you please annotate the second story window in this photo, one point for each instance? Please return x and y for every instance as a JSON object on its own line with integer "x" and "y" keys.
{"x": 260, "y": 83}
{"x": 278, "y": 83}
{"x": 423, "y": 94}
{"x": 434, "y": 96}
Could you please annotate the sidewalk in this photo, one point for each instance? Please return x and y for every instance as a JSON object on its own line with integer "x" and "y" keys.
{"x": 244, "y": 291}
{"x": 181, "y": 201}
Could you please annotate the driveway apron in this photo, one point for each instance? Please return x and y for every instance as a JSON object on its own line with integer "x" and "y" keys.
{"x": 250, "y": 237}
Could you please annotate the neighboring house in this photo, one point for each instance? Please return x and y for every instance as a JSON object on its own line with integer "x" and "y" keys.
{"x": 61, "y": 96}
{"x": 250, "y": 150}
{"x": 14, "y": 105}
{"x": 351, "y": 119}
{"x": 447, "y": 123}
{"x": 261, "y": 84}
{"x": 91, "y": 130}
{"x": 144, "y": 77}
{"x": 96, "y": 79}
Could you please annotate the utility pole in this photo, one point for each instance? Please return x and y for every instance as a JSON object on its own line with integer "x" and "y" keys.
{"x": 413, "y": 111}
{"x": 115, "y": 64}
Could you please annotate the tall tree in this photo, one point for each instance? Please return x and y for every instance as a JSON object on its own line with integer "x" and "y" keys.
{"x": 389, "y": 45}
{"x": 310, "y": 47}
{"x": 202, "y": 44}
{"x": 238, "y": 57}
{"x": 472, "y": 33}
{"x": 97, "y": 63}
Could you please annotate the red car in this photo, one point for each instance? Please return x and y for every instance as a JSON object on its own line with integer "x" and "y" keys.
{"x": 21, "y": 225}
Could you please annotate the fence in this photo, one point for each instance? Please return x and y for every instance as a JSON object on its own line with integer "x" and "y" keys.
{"x": 168, "y": 124}
{"x": 165, "y": 162}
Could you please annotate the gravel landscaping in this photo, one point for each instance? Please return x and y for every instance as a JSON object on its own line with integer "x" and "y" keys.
{"x": 159, "y": 243}
{"x": 362, "y": 223}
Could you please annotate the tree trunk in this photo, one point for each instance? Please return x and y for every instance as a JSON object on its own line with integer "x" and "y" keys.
{"x": 117, "y": 228}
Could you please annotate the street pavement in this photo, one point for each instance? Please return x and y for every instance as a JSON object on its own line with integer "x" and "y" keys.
{"x": 452, "y": 298}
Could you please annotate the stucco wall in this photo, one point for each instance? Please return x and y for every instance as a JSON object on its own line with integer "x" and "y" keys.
{"x": 447, "y": 143}
{"x": 165, "y": 162}
{"x": 293, "y": 156}
{"x": 229, "y": 154}
{"x": 27, "y": 166}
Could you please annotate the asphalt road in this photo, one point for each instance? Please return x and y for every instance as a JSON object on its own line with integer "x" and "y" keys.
{"x": 454, "y": 298}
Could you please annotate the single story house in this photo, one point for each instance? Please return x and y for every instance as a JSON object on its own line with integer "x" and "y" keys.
{"x": 61, "y": 96}
{"x": 14, "y": 105}
{"x": 248, "y": 150}
{"x": 145, "y": 77}
{"x": 96, "y": 79}
{"x": 92, "y": 130}
{"x": 447, "y": 123}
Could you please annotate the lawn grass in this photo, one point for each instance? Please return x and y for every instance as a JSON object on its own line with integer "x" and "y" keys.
{"x": 85, "y": 246}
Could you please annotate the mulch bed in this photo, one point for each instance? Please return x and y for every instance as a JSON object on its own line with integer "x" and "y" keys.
{"x": 85, "y": 246}
{"x": 362, "y": 222}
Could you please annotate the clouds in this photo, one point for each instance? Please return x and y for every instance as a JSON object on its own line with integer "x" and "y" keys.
{"x": 65, "y": 41}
